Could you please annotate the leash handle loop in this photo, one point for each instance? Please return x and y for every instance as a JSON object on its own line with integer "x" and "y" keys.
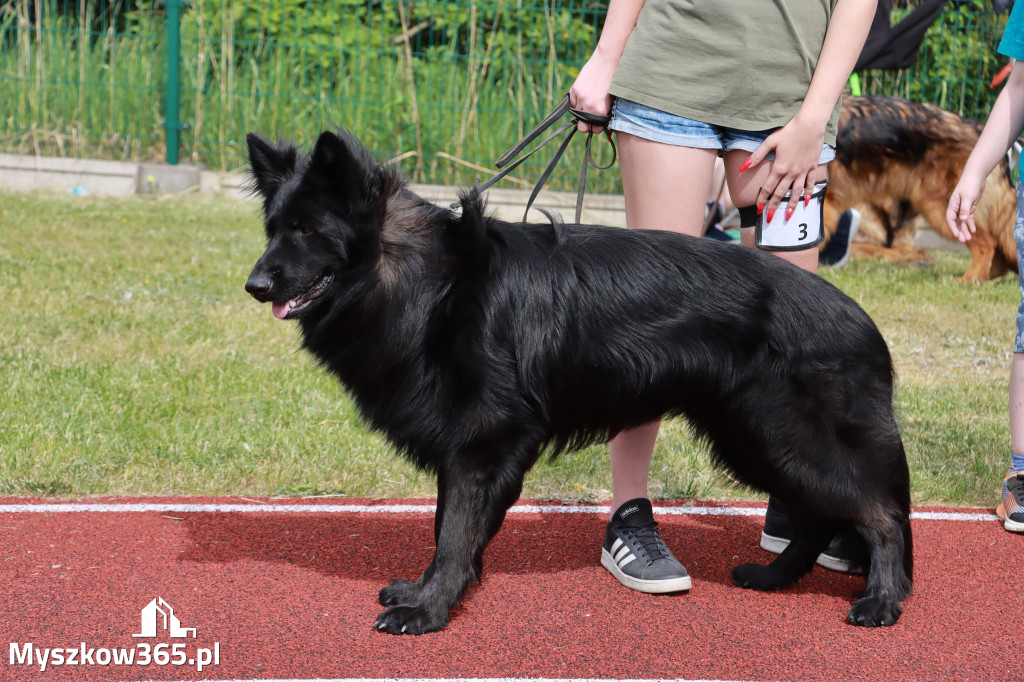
{"x": 548, "y": 121}
{"x": 599, "y": 120}
{"x": 577, "y": 116}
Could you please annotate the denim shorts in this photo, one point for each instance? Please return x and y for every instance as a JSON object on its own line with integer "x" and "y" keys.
{"x": 659, "y": 126}
{"x": 1018, "y": 236}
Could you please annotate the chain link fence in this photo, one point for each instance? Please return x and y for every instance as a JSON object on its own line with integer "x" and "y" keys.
{"x": 443, "y": 86}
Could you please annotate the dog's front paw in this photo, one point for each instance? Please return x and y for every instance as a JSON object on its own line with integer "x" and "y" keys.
{"x": 408, "y": 620}
{"x": 871, "y": 612}
{"x": 758, "y": 577}
{"x": 399, "y": 592}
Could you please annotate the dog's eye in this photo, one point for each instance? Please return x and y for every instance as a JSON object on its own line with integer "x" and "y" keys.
{"x": 305, "y": 230}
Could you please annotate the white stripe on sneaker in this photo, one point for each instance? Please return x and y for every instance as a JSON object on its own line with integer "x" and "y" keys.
{"x": 621, "y": 554}
{"x": 679, "y": 584}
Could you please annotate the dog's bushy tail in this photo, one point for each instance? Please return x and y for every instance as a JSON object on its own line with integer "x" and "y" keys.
{"x": 465, "y": 233}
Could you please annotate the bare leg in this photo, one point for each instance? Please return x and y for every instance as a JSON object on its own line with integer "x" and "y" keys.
{"x": 1017, "y": 403}
{"x": 630, "y": 453}
{"x": 666, "y": 188}
{"x": 744, "y": 188}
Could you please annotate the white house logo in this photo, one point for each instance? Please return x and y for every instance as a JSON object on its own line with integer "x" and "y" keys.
{"x": 159, "y": 613}
{"x": 158, "y": 621}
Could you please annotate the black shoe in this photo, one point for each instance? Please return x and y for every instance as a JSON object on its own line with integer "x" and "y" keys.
{"x": 635, "y": 554}
{"x": 713, "y": 218}
{"x": 718, "y": 234}
{"x": 837, "y": 251}
{"x": 778, "y": 532}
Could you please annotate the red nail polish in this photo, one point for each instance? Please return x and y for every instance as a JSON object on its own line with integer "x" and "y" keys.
{"x": 789, "y": 213}
{"x": 771, "y": 214}
{"x": 760, "y": 207}
{"x": 807, "y": 200}
{"x": 744, "y": 166}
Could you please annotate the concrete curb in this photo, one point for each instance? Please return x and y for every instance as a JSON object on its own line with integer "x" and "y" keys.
{"x": 21, "y": 173}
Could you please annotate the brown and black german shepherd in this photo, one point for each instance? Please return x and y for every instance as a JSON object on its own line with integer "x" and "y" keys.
{"x": 897, "y": 160}
{"x": 476, "y": 344}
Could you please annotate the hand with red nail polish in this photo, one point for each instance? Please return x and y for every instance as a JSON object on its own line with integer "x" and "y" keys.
{"x": 771, "y": 214}
{"x": 744, "y": 166}
{"x": 789, "y": 213}
{"x": 760, "y": 209}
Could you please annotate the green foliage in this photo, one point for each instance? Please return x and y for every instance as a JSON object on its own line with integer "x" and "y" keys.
{"x": 955, "y": 64}
{"x": 322, "y": 29}
{"x": 328, "y": 34}
{"x": 72, "y": 85}
{"x": 446, "y": 85}
{"x": 419, "y": 79}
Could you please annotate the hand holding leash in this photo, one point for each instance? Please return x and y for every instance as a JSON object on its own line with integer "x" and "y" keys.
{"x": 590, "y": 91}
{"x": 576, "y": 122}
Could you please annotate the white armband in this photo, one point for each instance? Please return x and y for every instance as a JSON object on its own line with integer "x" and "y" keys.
{"x": 803, "y": 230}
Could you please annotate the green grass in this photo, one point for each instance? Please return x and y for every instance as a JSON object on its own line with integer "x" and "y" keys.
{"x": 135, "y": 364}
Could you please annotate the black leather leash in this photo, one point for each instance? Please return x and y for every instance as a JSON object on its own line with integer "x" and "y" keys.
{"x": 570, "y": 126}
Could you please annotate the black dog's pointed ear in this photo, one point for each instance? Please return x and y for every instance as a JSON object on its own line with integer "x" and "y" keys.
{"x": 330, "y": 151}
{"x": 271, "y": 165}
{"x": 343, "y": 160}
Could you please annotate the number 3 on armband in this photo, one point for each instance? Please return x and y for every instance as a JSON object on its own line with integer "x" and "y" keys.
{"x": 803, "y": 229}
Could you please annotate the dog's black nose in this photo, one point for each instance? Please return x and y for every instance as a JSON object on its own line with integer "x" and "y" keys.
{"x": 258, "y": 285}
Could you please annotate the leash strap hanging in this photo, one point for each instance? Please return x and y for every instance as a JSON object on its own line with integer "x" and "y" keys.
{"x": 570, "y": 126}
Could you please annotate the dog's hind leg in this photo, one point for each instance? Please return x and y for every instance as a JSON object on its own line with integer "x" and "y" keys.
{"x": 795, "y": 561}
{"x": 983, "y": 248}
{"x": 888, "y": 535}
{"x": 472, "y": 501}
{"x": 1000, "y": 266}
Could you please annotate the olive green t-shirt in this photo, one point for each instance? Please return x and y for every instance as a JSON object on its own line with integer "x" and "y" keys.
{"x": 742, "y": 64}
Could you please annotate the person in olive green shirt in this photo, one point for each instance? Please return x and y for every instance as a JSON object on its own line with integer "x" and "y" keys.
{"x": 755, "y": 81}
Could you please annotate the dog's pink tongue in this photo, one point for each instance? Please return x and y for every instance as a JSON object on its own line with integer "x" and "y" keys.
{"x": 280, "y": 310}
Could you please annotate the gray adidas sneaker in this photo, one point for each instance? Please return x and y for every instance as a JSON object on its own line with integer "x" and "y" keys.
{"x": 635, "y": 554}
{"x": 778, "y": 533}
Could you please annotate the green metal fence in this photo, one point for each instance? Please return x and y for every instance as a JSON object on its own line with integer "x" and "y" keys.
{"x": 444, "y": 85}
{"x": 956, "y": 62}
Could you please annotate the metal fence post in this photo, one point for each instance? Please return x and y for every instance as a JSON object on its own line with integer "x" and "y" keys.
{"x": 172, "y": 122}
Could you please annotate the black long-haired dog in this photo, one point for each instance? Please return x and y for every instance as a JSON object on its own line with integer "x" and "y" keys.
{"x": 475, "y": 344}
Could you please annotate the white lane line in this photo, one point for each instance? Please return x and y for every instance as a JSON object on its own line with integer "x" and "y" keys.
{"x": 456, "y": 679}
{"x": 273, "y": 508}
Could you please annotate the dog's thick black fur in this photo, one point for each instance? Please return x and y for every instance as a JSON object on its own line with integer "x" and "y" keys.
{"x": 475, "y": 344}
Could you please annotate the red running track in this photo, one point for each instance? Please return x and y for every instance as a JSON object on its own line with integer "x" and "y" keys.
{"x": 287, "y": 590}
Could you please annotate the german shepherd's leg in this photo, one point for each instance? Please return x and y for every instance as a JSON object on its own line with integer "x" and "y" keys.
{"x": 473, "y": 501}
{"x": 887, "y": 533}
{"x": 403, "y": 591}
{"x": 983, "y": 248}
{"x": 792, "y": 564}
{"x": 1000, "y": 266}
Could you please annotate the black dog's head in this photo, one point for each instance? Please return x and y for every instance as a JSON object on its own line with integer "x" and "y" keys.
{"x": 321, "y": 216}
